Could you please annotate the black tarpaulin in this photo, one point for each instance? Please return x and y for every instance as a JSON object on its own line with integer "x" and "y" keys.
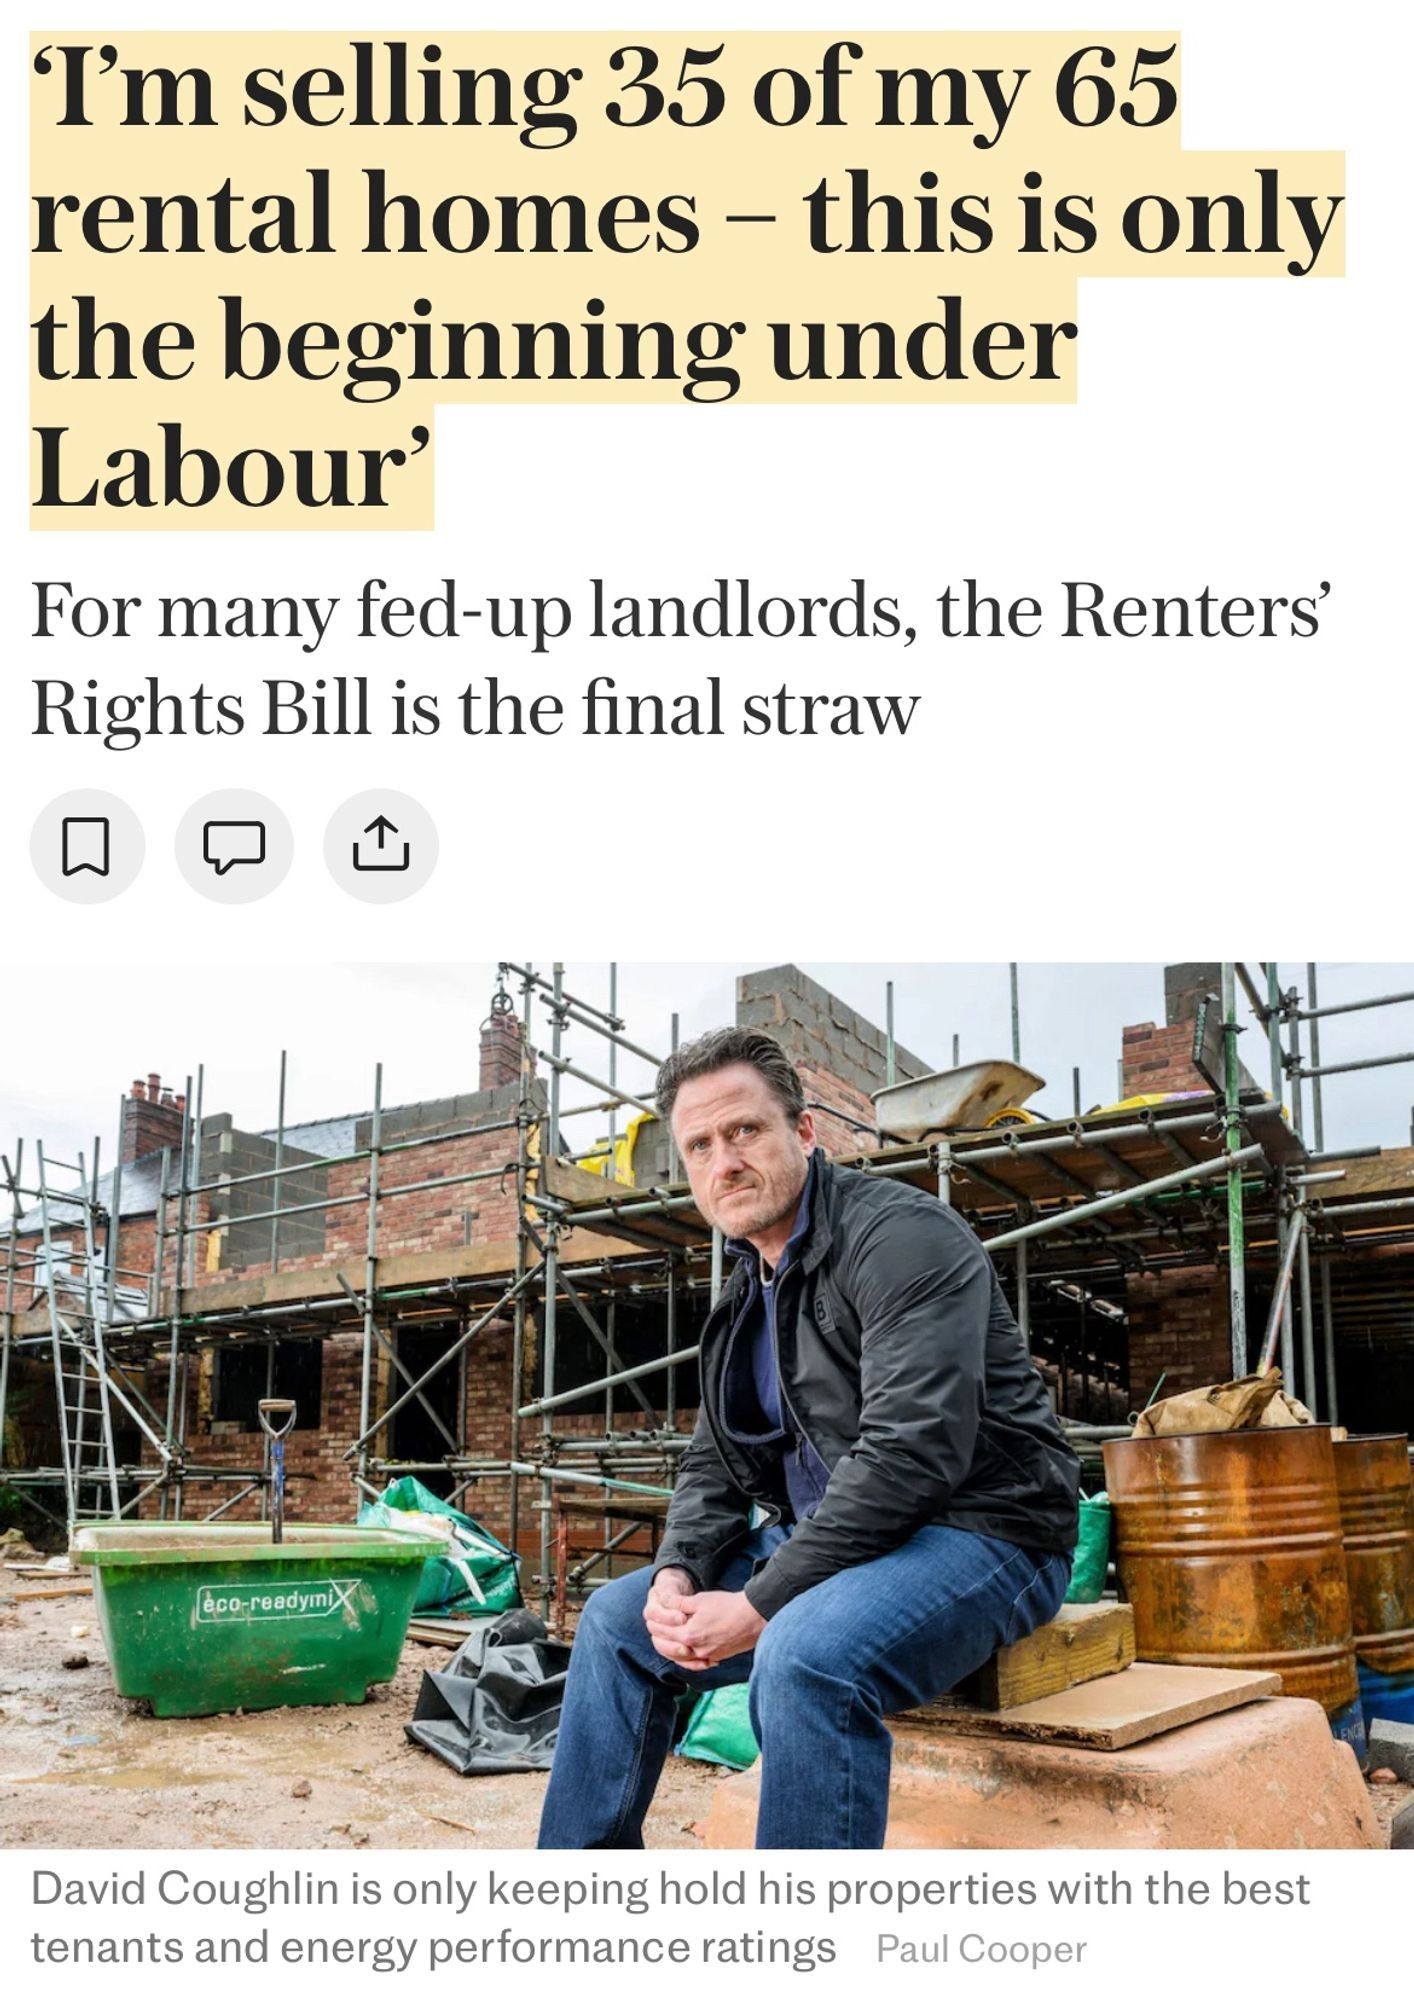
{"x": 496, "y": 1707}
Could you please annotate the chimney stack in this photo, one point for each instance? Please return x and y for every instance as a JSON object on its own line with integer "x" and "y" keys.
{"x": 152, "y": 1119}
{"x": 1159, "y": 1061}
{"x": 500, "y": 1045}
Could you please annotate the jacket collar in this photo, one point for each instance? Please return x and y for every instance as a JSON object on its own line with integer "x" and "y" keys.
{"x": 821, "y": 1232}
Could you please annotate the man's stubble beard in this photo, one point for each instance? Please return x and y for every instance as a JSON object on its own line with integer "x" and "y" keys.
{"x": 767, "y": 1217}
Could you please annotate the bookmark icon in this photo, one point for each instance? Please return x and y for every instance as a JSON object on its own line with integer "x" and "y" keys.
{"x": 84, "y": 846}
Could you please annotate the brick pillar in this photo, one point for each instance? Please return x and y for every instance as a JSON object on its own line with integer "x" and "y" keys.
{"x": 152, "y": 1119}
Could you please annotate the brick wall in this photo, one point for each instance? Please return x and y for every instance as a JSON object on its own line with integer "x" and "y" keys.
{"x": 321, "y": 1484}
{"x": 1178, "y": 1322}
{"x": 320, "y": 1479}
{"x": 137, "y": 1235}
{"x": 436, "y": 1212}
{"x": 849, "y": 1133}
{"x": 1159, "y": 1060}
{"x": 428, "y": 1217}
{"x": 27, "y": 1246}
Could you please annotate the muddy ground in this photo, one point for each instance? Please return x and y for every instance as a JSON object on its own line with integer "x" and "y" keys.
{"x": 82, "y": 1767}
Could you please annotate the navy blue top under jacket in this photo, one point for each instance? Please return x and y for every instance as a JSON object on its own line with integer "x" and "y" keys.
{"x": 754, "y": 1409}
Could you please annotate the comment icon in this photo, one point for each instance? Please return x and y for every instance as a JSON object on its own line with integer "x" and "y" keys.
{"x": 234, "y": 846}
{"x": 233, "y": 843}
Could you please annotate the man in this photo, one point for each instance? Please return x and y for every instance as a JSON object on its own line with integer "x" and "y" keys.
{"x": 865, "y": 1384}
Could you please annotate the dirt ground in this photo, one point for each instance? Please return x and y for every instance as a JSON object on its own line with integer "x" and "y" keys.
{"x": 80, "y": 1766}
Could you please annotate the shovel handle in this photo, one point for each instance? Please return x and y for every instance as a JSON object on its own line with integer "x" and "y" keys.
{"x": 277, "y": 1416}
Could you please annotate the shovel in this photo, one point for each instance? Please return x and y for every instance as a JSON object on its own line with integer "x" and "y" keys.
{"x": 270, "y": 1410}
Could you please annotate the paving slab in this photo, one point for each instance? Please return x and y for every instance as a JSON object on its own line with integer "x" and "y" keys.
{"x": 1144, "y": 1699}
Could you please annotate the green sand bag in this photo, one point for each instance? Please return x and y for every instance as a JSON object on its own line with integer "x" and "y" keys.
{"x": 720, "y": 1730}
{"x": 1092, "y": 1553}
{"x": 476, "y": 1578}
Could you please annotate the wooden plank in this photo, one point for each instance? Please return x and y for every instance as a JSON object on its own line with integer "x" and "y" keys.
{"x": 1110, "y": 1714}
{"x": 1081, "y": 1643}
{"x": 439, "y": 1631}
{"x": 566, "y": 1182}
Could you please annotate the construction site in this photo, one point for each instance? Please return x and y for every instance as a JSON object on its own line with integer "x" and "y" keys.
{"x": 498, "y": 1294}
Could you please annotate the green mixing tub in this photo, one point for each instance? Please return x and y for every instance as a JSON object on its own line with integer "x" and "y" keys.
{"x": 199, "y": 1618}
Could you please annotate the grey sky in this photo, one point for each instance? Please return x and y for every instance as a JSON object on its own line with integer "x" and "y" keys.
{"x": 93, "y": 1035}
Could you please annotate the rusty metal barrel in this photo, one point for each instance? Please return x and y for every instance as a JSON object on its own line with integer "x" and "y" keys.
{"x": 1377, "y": 1518}
{"x": 1228, "y": 1546}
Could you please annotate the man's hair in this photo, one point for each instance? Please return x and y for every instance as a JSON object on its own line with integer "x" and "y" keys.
{"x": 720, "y": 1048}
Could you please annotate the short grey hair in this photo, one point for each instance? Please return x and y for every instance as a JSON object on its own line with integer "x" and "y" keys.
{"x": 721, "y": 1048}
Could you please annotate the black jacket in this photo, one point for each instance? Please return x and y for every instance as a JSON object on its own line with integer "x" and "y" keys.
{"x": 903, "y": 1366}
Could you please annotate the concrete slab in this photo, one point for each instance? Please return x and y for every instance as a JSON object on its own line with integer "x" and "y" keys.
{"x": 1401, "y": 1834}
{"x": 1266, "y": 1776}
{"x": 1392, "y": 1745}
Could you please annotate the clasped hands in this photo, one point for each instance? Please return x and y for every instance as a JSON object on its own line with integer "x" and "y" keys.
{"x": 697, "y": 1628}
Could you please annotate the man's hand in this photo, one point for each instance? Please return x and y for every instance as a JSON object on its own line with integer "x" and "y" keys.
{"x": 665, "y": 1613}
{"x": 715, "y": 1625}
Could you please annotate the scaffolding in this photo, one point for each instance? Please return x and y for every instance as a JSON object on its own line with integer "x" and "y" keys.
{"x": 1071, "y": 1208}
{"x": 85, "y": 1300}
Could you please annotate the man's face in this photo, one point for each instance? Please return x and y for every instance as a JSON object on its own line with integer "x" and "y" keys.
{"x": 746, "y": 1158}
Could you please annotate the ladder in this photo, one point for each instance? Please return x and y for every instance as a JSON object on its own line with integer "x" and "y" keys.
{"x": 78, "y": 1301}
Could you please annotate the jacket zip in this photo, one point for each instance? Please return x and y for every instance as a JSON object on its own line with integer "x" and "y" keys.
{"x": 802, "y": 1436}
{"x": 728, "y": 1451}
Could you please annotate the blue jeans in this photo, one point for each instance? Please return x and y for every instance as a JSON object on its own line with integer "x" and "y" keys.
{"x": 867, "y": 1642}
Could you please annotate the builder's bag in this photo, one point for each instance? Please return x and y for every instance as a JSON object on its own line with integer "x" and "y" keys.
{"x": 719, "y": 1730}
{"x": 497, "y": 1705}
{"x": 476, "y": 1578}
{"x": 1092, "y": 1551}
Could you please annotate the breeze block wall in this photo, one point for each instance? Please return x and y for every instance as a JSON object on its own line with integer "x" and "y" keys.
{"x": 841, "y": 1056}
{"x": 232, "y": 1155}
